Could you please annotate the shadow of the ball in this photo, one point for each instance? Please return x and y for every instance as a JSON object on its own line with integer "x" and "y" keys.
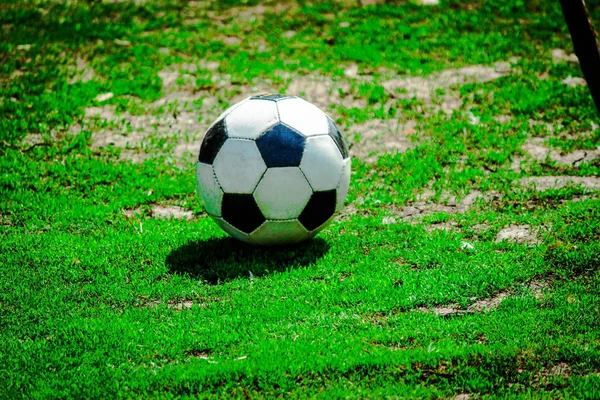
{"x": 219, "y": 260}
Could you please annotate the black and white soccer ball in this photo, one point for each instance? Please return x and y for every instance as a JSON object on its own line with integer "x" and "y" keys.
{"x": 273, "y": 169}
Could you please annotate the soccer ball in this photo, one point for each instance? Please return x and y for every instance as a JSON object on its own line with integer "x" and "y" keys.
{"x": 273, "y": 169}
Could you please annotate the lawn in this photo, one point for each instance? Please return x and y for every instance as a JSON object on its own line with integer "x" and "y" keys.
{"x": 465, "y": 264}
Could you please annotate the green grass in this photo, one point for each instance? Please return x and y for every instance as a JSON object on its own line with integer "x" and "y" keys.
{"x": 97, "y": 303}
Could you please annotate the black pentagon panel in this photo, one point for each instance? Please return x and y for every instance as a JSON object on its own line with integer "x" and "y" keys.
{"x": 281, "y": 146}
{"x": 241, "y": 211}
{"x": 319, "y": 209}
{"x": 271, "y": 96}
{"x": 335, "y": 134}
{"x": 212, "y": 143}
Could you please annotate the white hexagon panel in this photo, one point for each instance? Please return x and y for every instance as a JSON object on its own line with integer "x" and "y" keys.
{"x": 282, "y": 193}
{"x": 239, "y": 166}
{"x": 342, "y": 190}
{"x": 303, "y": 116}
{"x": 230, "y": 109}
{"x": 279, "y": 232}
{"x": 322, "y": 162}
{"x": 233, "y": 232}
{"x": 251, "y": 119}
{"x": 209, "y": 189}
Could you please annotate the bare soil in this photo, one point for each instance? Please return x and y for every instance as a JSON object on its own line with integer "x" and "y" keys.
{"x": 536, "y": 287}
{"x": 542, "y": 183}
{"x": 519, "y": 234}
{"x": 183, "y": 114}
{"x": 163, "y": 212}
{"x": 537, "y": 149}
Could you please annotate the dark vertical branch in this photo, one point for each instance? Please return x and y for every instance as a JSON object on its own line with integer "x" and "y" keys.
{"x": 585, "y": 44}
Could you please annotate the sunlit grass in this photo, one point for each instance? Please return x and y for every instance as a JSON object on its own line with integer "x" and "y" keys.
{"x": 99, "y": 298}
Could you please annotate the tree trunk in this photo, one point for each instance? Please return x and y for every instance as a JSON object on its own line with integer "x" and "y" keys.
{"x": 585, "y": 44}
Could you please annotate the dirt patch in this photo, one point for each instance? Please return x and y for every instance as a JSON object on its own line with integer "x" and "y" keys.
{"x": 370, "y": 2}
{"x": 138, "y": 131}
{"x": 515, "y": 164}
{"x": 462, "y": 396}
{"x": 484, "y": 305}
{"x": 542, "y": 183}
{"x": 201, "y": 353}
{"x": 576, "y": 199}
{"x": 388, "y": 220}
{"x": 536, "y": 149}
{"x": 251, "y": 14}
{"x": 424, "y": 205}
{"x": 104, "y": 96}
{"x": 558, "y": 370}
{"x": 559, "y": 55}
{"x": 377, "y": 137}
{"x": 446, "y": 311}
{"x": 574, "y": 81}
{"x": 5, "y": 220}
{"x": 80, "y": 72}
{"x": 503, "y": 119}
{"x": 537, "y": 287}
{"x": 519, "y": 234}
{"x": 170, "y": 78}
{"x": 173, "y": 125}
{"x": 449, "y": 227}
{"x": 424, "y": 88}
{"x": 183, "y": 114}
{"x": 480, "y": 227}
{"x": 324, "y": 92}
{"x": 179, "y": 125}
{"x": 488, "y": 304}
{"x": 171, "y": 212}
{"x": 175, "y": 305}
{"x": 243, "y": 17}
{"x": 183, "y": 304}
{"x": 163, "y": 212}
{"x": 449, "y": 204}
